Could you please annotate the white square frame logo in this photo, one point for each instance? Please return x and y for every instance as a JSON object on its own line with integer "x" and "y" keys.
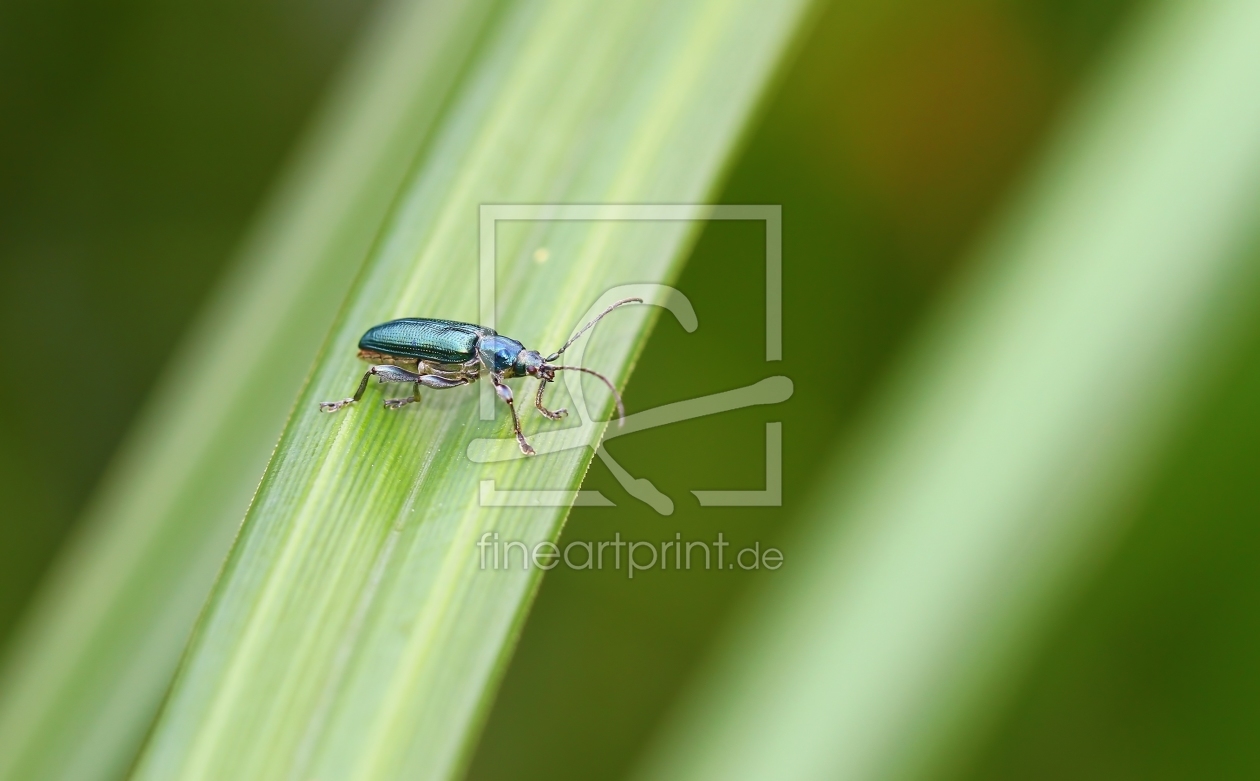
{"x": 772, "y": 390}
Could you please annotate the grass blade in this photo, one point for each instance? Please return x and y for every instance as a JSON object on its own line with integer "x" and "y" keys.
{"x": 352, "y": 633}
{"x": 86, "y": 673}
{"x": 1030, "y": 411}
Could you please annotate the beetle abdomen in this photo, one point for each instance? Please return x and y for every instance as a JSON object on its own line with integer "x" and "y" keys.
{"x": 440, "y": 341}
{"x": 375, "y": 358}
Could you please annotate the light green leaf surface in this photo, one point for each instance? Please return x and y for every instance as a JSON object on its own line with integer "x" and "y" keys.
{"x": 86, "y": 674}
{"x": 352, "y": 633}
{"x": 1039, "y": 398}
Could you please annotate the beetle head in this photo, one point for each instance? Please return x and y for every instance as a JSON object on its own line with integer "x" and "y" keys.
{"x": 530, "y": 363}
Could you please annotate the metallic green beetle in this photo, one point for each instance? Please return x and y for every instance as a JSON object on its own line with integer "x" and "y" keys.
{"x": 443, "y": 354}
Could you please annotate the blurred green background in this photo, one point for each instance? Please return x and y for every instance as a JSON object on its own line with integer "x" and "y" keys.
{"x": 137, "y": 138}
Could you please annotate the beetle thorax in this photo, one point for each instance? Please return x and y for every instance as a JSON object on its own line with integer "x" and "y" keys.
{"x": 499, "y": 354}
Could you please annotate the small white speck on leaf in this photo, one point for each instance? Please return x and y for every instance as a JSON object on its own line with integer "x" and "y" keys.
{"x": 541, "y": 254}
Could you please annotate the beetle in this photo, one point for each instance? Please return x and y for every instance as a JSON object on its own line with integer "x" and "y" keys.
{"x": 443, "y": 354}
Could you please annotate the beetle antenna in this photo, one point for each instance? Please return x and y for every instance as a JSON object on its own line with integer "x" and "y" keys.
{"x": 587, "y": 327}
{"x": 621, "y": 408}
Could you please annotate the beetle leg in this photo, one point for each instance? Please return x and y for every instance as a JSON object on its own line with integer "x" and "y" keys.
{"x": 402, "y": 402}
{"x": 435, "y": 381}
{"x": 384, "y": 373}
{"x": 440, "y": 383}
{"x": 538, "y": 402}
{"x": 505, "y": 393}
{"x": 333, "y": 406}
{"x": 394, "y": 373}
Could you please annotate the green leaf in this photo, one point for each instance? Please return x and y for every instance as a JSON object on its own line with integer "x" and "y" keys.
{"x": 353, "y": 632}
{"x": 998, "y": 466}
{"x": 88, "y": 669}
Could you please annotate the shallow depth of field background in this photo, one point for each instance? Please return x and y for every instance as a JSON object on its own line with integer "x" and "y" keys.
{"x": 137, "y": 139}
